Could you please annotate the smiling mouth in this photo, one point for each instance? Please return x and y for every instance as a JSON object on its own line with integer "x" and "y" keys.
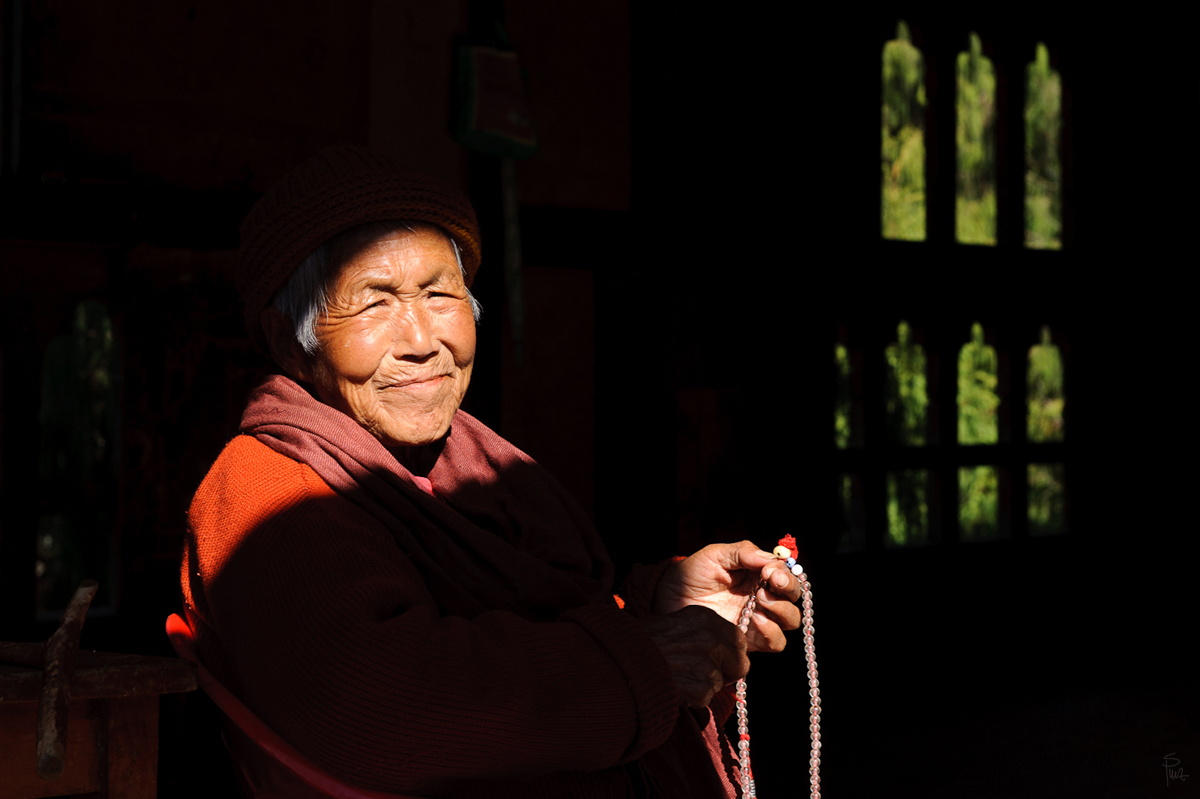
{"x": 420, "y": 382}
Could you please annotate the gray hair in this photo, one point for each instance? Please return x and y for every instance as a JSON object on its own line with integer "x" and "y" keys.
{"x": 304, "y": 298}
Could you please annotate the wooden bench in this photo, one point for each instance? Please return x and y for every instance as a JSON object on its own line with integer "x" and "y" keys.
{"x": 111, "y": 731}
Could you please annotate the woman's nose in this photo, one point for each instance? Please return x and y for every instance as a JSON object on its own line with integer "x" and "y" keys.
{"x": 415, "y": 339}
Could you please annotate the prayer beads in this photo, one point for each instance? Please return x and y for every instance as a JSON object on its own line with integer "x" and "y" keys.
{"x": 814, "y": 692}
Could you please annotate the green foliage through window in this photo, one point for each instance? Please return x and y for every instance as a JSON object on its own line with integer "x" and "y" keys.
{"x": 1044, "y": 381}
{"x": 978, "y": 503}
{"x": 906, "y": 394}
{"x": 841, "y": 408}
{"x": 908, "y": 508}
{"x": 1043, "y": 170}
{"x": 851, "y": 535}
{"x": 981, "y": 513}
{"x": 975, "y": 137}
{"x": 1046, "y": 499}
{"x": 977, "y": 397}
{"x": 79, "y": 420}
{"x": 903, "y": 137}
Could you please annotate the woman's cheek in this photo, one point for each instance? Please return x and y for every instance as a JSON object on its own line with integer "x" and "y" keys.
{"x": 460, "y": 338}
{"x": 356, "y": 355}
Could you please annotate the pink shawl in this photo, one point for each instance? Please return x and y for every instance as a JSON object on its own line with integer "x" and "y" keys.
{"x": 501, "y": 534}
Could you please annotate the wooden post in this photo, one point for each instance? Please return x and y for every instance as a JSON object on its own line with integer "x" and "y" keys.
{"x": 56, "y": 683}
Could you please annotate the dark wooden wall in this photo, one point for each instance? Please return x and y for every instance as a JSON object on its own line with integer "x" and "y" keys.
{"x": 1022, "y": 667}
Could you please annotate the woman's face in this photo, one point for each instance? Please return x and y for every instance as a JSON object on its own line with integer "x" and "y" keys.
{"x": 398, "y": 342}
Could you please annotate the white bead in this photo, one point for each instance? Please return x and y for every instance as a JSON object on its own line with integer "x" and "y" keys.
{"x": 797, "y": 570}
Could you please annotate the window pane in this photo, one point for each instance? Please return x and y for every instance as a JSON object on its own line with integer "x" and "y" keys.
{"x": 851, "y": 535}
{"x": 1043, "y": 171}
{"x": 903, "y": 156}
{"x": 841, "y": 408}
{"x": 906, "y": 397}
{"x": 978, "y": 492}
{"x": 78, "y": 464}
{"x": 908, "y": 508}
{"x": 1045, "y": 392}
{"x": 1046, "y": 507}
{"x": 977, "y": 397}
{"x": 975, "y": 207}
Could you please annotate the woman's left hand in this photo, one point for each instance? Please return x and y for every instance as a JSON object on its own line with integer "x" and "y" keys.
{"x": 722, "y": 577}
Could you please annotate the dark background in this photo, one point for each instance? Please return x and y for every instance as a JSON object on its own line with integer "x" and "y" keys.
{"x": 702, "y": 215}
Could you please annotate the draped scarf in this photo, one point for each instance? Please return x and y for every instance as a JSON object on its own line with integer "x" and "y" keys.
{"x": 501, "y": 532}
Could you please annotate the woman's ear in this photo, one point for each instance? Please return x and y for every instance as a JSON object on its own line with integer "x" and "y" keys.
{"x": 285, "y": 350}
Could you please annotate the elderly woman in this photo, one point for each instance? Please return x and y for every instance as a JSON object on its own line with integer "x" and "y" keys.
{"x": 401, "y": 594}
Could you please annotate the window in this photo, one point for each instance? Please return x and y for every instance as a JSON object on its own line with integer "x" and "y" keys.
{"x": 996, "y": 113}
{"x": 78, "y": 463}
{"x": 950, "y": 421}
{"x": 978, "y": 406}
{"x": 1043, "y": 163}
{"x": 931, "y": 455}
{"x": 975, "y": 140}
{"x": 1046, "y": 401}
{"x": 903, "y": 151}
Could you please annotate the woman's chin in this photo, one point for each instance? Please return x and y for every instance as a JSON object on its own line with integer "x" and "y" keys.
{"x": 413, "y": 434}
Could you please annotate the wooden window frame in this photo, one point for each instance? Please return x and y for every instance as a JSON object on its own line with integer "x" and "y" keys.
{"x": 871, "y": 456}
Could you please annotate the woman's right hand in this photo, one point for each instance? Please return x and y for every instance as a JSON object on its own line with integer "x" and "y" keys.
{"x": 705, "y": 652}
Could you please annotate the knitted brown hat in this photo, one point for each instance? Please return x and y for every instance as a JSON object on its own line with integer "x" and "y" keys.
{"x": 339, "y": 188}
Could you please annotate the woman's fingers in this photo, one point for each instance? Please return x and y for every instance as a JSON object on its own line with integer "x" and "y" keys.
{"x": 781, "y": 581}
{"x": 704, "y": 652}
{"x": 775, "y": 608}
{"x": 766, "y": 633}
{"x": 722, "y": 577}
{"x": 783, "y": 612}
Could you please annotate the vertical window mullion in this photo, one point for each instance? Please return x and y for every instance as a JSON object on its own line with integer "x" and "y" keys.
{"x": 1010, "y": 146}
{"x": 1009, "y": 474}
{"x": 943, "y": 389}
{"x": 1014, "y": 408}
{"x": 875, "y": 337}
{"x": 941, "y": 157}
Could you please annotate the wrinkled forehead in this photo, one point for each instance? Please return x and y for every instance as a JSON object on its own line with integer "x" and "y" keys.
{"x": 349, "y": 244}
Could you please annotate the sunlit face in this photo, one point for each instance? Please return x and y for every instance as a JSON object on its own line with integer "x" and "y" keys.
{"x": 398, "y": 342}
